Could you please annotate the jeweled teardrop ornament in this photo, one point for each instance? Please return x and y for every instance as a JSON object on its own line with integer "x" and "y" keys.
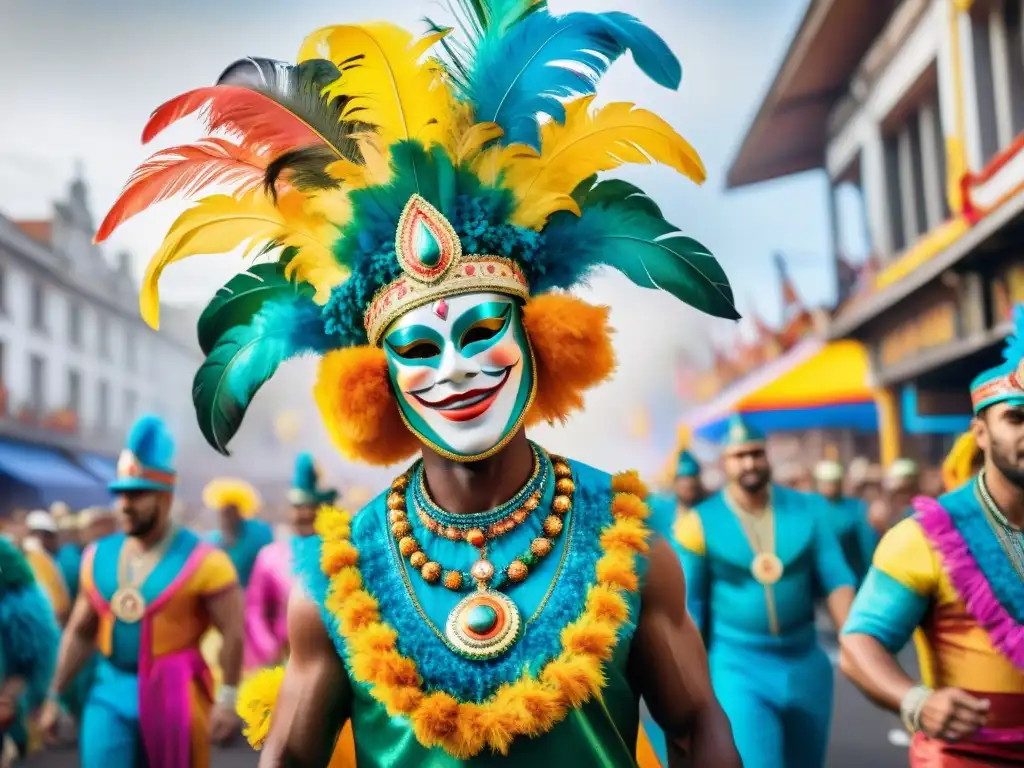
{"x": 425, "y": 245}
{"x": 425, "y": 242}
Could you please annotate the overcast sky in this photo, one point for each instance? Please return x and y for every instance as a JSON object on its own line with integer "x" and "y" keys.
{"x": 89, "y": 73}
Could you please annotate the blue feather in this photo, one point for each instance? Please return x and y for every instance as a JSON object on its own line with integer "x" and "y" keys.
{"x": 530, "y": 68}
{"x": 245, "y": 358}
{"x": 1013, "y": 352}
{"x": 29, "y": 637}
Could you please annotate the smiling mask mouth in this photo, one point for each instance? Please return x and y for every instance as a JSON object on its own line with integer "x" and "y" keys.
{"x": 466, "y": 406}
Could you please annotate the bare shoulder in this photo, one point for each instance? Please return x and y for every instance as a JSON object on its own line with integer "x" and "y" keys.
{"x": 665, "y": 585}
{"x": 307, "y": 633}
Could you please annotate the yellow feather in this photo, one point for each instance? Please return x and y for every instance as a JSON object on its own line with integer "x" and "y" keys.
{"x": 374, "y": 170}
{"x": 589, "y": 143}
{"x": 473, "y": 138}
{"x": 490, "y": 165}
{"x": 313, "y": 224}
{"x": 215, "y": 224}
{"x": 391, "y": 88}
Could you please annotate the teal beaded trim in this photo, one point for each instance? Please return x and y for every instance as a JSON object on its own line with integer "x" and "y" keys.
{"x": 1010, "y": 538}
{"x": 465, "y": 522}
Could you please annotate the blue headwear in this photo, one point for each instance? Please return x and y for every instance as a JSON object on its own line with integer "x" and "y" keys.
{"x": 740, "y": 433}
{"x": 305, "y": 480}
{"x": 1005, "y": 382}
{"x": 687, "y": 465}
{"x": 147, "y": 461}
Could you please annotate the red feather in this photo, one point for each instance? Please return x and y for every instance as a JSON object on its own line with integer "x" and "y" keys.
{"x": 186, "y": 170}
{"x": 255, "y": 118}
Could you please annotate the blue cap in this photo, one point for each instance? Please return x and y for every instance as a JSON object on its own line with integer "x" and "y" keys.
{"x": 741, "y": 433}
{"x": 687, "y": 465}
{"x": 305, "y": 481}
{"x": 147, "y": 461}
{"x": 1005, "y": 382}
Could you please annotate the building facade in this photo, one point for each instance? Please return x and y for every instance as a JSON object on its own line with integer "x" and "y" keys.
{"x": 914, "y": 110}
{"x": 77, "y": 363}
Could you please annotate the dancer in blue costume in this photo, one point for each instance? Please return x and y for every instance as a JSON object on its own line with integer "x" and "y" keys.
{"x": 849, "y": 518}
{"x": 688, "y": 487}
{"x": 69, "y": 553}
{"x": 756, "y": 556}
{"x": 147, "y": 597}
{"x": 240, "y": 534}
{"x": 28, "y": 645}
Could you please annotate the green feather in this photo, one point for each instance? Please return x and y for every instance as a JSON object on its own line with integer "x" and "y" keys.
{"x": 622, "y": 228}
{"x": 622, "y": 194}
{"x": 237, "y": 302}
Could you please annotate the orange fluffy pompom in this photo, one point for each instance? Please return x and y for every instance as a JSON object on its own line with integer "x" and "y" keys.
{"x": 353, "y": 390}
{"x": 573, "y": 350}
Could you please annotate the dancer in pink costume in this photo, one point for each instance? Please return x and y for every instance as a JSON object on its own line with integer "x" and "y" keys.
{"x": 267, "y": 594}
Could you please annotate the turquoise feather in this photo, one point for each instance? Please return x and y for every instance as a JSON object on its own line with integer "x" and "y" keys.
{"x": 522, "y": 71}
{"x": 242, "y": 297}
{"x": 620, "y": 227}
{"x": 245, "y": 358}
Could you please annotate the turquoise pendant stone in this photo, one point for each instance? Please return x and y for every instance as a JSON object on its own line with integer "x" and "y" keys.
{"x": 428, "y": 249}
{"x": 481, "y": 619}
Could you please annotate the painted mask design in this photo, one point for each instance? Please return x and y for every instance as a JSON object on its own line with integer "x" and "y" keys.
{"x": 463, "y": 372}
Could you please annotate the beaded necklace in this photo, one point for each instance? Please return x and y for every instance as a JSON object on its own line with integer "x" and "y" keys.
{"x": 486, "y": 622}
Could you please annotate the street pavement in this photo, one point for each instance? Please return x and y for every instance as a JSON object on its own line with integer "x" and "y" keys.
{"x": 860, "y": 737}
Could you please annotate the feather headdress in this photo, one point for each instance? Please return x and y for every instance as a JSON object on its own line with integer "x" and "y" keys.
{"x": 384, "y": 171}
{"x": 1005, "y": 382}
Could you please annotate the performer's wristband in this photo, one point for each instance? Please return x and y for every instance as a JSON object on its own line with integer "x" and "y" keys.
{"x": 911, "y": 706}
{"x": 227, "y": 695}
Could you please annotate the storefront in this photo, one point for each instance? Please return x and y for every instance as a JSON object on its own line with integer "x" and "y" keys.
{"x": 815, "y": 395}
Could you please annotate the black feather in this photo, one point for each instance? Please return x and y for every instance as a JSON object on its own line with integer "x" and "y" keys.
{"x": 306, "y": 169}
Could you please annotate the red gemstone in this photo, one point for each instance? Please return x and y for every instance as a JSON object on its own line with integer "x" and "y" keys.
{"x": 441, "y": 309}
{"x": 490, "y": 268}
{"x": 470, "y": 269}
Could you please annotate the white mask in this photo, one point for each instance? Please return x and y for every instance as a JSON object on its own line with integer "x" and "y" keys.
{"x": 463, "y": 372}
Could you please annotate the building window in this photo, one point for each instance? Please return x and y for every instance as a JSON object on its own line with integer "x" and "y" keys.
{"x": 130, "y": 359}
{"x": 915, "y": 167}
{"x": 75, "y": 324}
{"x": 74, "y": 391}
{"x": 998, "y": 42}
{"x": 37, "y": 383}
{"x": 131, "y": 405}
{"x": 38, "y": 307}
{"x": 103, "y": 342}
{"x": 103, "y": 405}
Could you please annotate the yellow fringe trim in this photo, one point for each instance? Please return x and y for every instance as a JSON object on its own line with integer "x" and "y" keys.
{"x": 529, "y": 706}
{"x": 256, "y": 699}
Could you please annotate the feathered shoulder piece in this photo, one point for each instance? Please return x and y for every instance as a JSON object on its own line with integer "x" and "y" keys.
{"x": 15, "y": 571}
{"x": 385, "y": 170}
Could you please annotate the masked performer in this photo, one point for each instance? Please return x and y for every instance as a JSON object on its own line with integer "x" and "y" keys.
{"x": 28, "y": 645}
{"x": 148, "y": 596}
{"x": 240, "y": 534}
{"x": 497, "y": 599}
{"x": 955, "y": 571}
{"x": 756, "y": 556}
{"x": 266, "y": 596}
{"x": 848, "y": 516}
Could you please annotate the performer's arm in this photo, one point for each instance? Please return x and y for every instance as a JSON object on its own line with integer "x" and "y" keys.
{"x": 262, "y": 642}
{"x": 77, "y": 644}
{"x": 832, "y": 571}
{"x": 227, "y": 614}
{"x": 314, "y": 700}
{"x": 670, "y": 666}
{"x": 689, "y": 536}
{"x": 891, "y": 604}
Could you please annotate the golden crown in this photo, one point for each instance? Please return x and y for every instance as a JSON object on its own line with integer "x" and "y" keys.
{"x": 434, "y": 268}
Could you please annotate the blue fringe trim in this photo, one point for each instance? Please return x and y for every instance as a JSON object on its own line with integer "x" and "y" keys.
{"x": 969, "y": 518}
{"x": 29, "y": 638}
